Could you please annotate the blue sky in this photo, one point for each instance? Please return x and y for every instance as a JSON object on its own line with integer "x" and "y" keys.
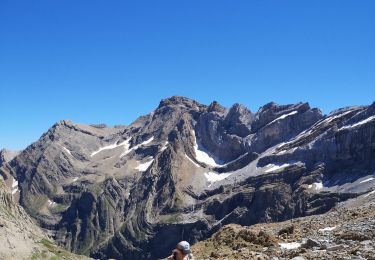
{"x": 111, "y": 61}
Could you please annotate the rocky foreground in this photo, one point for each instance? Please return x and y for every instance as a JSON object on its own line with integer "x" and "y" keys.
{"x": 345, "y": 232}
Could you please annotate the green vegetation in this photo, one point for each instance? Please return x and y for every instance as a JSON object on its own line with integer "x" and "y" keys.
{"x": 52, "y": 252}
{"x": 59, "y": 207}
{"x": 177, "y": 203}
{"x": 174, "y": 218}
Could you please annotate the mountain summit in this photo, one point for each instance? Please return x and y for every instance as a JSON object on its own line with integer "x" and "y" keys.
{"x": 186, "y": 169}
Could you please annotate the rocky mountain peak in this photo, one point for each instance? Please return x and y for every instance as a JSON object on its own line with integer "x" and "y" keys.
{"x": 216, "y": 107}
{"x": 239, "y": 114}
{"x": 179, "y": 101}
{"x": 267, "y": 106}
{"x": 272, "y": 111}
{"x": 65, "y": 122}
{"x": 275, "y": 108}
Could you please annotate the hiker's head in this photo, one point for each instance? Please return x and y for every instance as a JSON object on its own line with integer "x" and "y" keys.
{"x": 182, "y": 249}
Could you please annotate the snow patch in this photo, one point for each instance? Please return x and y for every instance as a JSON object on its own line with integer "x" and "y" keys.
{"x": 368, "y": 194}
{"x": 214, "y": 177}
{"x": 358, "y": 123}
{"x": 274, "y": 167}
{"x": 331, "y": 118}
{"x": 51, "y": 203}
{"x": 113, "y": 146}
{"x": 15, "y": 183}
{"x": 368, "y": 179}
{"x": 327, "y": 229}
{"x": 195, "y": 164}
{"x": 75, "y": 179}
{"x": 203, "y": 156}
{"x": 281, "y": 144}
{"x": 14, "y": 186}
{"x": 283, "y": 116}
{"x": 66, "y": 150}
{"x": 144, "y": 166}
{"x": 164, "y": 147}
{"x": 316, "y": 186}
{"x": 127, "y": 150}
{"x": 148, "y": 141}
{"x": 289, "y": 246}
{"x": 287, "y": 151}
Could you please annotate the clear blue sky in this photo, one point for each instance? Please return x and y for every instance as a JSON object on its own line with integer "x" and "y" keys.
{"x": 96, "y": 61}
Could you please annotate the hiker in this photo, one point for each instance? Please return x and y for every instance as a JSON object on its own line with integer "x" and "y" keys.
{"x": 181, "y": 252}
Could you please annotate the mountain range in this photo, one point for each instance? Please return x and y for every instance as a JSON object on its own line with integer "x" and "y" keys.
{"x": 186, "y": 170}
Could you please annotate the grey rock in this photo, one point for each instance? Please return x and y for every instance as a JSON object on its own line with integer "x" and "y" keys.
{"x": 275, "y": 124}
{"x": 357, "y": 257}
{"x": 298, "y": 258}
{"x": 335, "y": 248}
{"x": 311, "y": 243}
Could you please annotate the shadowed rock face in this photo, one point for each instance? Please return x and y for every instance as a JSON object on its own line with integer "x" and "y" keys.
{"x": 186, "y": 169}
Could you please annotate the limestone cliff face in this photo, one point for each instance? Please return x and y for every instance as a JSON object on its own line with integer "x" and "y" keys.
{"x": 186, "y": 169}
